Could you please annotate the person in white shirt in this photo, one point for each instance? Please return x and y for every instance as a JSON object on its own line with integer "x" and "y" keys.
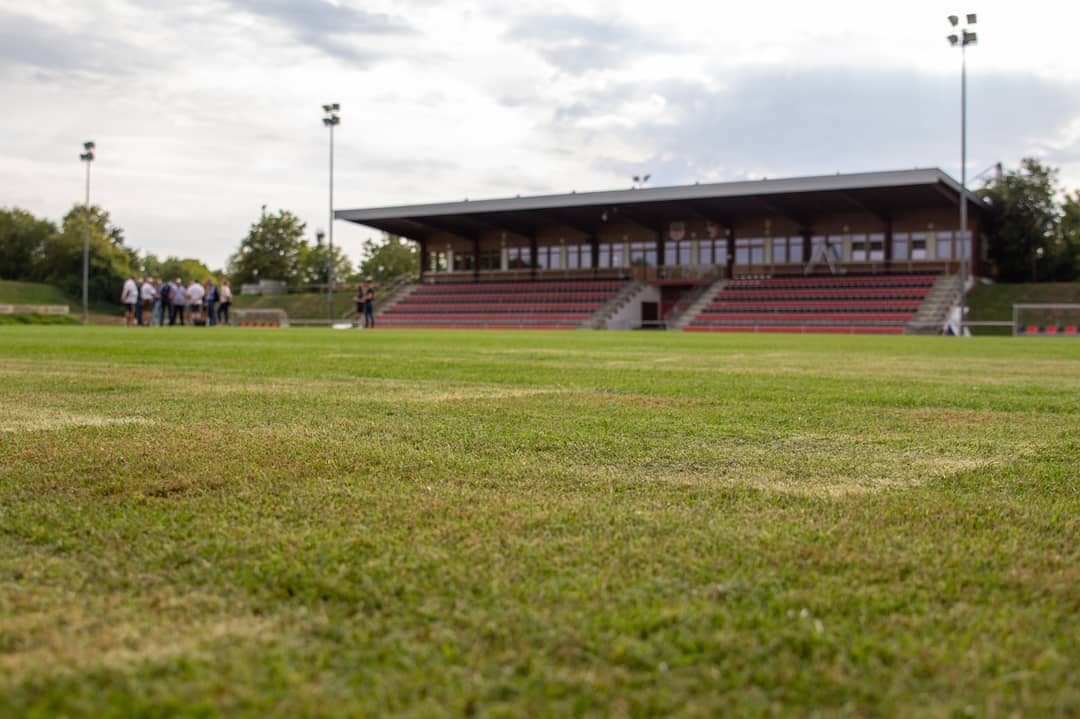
{"x": 179, "y": 301}
{"x": 146, "y": 294}
{"x": 195, "y": 294}
{"x": 129, "y": 297}
{"x": 225, "y": 302}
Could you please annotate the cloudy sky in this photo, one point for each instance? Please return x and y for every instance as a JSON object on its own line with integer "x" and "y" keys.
{"x": 205, "y": 110}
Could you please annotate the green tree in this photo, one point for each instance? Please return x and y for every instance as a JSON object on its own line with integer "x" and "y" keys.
{"x": 312, "y": 263}
{"x": 1022, "y": 224}
{"x": 1068, "y": 251}
{"x": 389, "y": 258}
{"x": 172, "y": 267}
{"x": 110, "y": 261}
{"x": 23, "y": 238}
{"x": 270, "y": 251}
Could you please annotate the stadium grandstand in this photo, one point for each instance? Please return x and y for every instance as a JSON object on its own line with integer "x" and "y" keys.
{"x": 858, "y": 253}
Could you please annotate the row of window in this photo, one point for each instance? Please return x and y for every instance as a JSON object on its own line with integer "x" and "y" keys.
{"x": 748, "y": 251}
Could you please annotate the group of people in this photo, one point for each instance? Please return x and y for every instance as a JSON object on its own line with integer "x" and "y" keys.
{"x": 154, "y": 302}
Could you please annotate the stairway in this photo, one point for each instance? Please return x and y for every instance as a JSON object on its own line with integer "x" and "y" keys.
{"x": 930, "y": 318}
{"x": 697, "y": 305}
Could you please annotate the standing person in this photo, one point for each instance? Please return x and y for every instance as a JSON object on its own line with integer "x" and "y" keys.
{"x": 159, "y": 317}
{"x": 146, "y": 297}
{"x": 179, "y": 301}
{"x": 369, "y": 307}
{"x": 195, "y": 293}
{"x": 165, "y": 292}
{"x": 359, "y": 300}
{"x": 129, "y": 297}
{"x": 224, "y": 301}
{"x": 211, "y": 300}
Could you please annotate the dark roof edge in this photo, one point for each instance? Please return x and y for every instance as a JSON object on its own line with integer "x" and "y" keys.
{"x": 742, "y": 188}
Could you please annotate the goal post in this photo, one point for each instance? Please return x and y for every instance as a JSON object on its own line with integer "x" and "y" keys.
{"x": 260, "y": 318}
{"x": 1046, "y": 320}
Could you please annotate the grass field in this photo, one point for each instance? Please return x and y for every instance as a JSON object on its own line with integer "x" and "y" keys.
{"x": 284, "y": 523}
{"x": 38, "y": 293}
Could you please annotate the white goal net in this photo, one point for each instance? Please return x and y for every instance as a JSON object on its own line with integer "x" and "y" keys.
{"x": 1046, "y": 320}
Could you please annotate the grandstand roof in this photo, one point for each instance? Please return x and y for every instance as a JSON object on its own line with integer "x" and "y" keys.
{"x": 801, "y": 199}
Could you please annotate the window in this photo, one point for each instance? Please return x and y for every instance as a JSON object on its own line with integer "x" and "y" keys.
{"x": 578, "y": 257}
{"x": 779, "y": 250}
{"x": 437, "y": 261}
{"x": 750, "y": 251}
{"x": 462, "y": 262}
{"x": 944, "y": 245}
{"x": 867, "y": 247}
{"x": 713, "y": 251}
{"x": 518, "y": 258}
{"x": 876, "y": 242}
{"x": 490, "y": 260}
{"x": 860, "y": 251}
{"x": 610, "y": 255}
{"x": 900, "y": 245}
{"x": 795, "y": 249}
{"x": 963, "y": 243}
{"x": 678, "y": 253}
{"x": 918, "y": 246}
{"x": 549, "y": 258}
{"x": 643, "y": 254}
{"x": 686, "y": 256}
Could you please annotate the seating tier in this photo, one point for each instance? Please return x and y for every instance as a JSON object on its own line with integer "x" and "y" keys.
{"x": 551, "y": 304}
{"x": 846, "y": 304}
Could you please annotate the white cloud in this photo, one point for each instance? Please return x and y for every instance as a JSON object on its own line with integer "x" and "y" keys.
{"x": 206, "y": 110}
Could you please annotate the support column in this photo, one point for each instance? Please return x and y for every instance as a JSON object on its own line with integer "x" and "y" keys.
{"x": 424, "y": 260}
{"x": 476, "y": 258}
{"x": 532, "y": 256}
{"x": 731, "y": 251}
{"x": 594, "y": 242}
{"x": 889, "y": 245}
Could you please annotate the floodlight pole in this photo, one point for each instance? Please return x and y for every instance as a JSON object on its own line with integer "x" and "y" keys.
{"x": 87, "y": 157}
{"x": 966, "y": 246}
{"x": 963, "y": 39}
{"x": 330, "y": 119}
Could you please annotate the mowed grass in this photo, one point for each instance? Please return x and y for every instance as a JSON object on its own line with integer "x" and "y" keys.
{"x": 284, "y": 523}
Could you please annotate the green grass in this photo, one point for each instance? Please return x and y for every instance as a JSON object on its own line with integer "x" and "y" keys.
{"x": 38, "y": 293}
{"x": 995, "y": 302}
{"x": 283, "y": 523}
{"x": 30, "y": 293}
{"x": 36, "y": 319}
{"x": 306, "y": 305}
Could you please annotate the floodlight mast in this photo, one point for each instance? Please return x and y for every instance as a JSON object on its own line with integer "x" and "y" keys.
{"x": 962, "y": 39}
{"x": 330, "y": 119}
{"x": 87, "y": 156}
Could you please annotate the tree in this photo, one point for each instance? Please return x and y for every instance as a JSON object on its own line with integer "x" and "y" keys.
{"x": 270, "y": 251}
{"x": 1068, "y": 252}
{"x": 23, "y": 238}
{"x": 1022, "y": 224}
{"x": 312, "y": 261}
{"x": 389, "y": 258}
{"x": 110, "y": 262}
{"x": 172, "y": 267}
